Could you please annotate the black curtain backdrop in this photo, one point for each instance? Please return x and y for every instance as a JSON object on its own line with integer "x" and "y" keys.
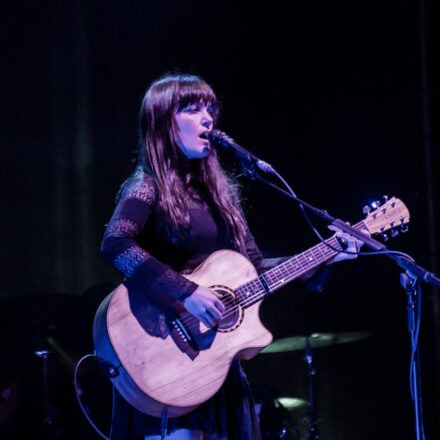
{"x": 328, "y": 92}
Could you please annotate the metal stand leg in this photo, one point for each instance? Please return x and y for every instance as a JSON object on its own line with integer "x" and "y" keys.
{"x": 311, "y": 371}
{"x": 48, "y": 410}
{"x": 412, "y": 288}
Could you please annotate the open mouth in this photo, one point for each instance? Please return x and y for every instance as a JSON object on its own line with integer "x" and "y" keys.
{"x": 204, "y": 135}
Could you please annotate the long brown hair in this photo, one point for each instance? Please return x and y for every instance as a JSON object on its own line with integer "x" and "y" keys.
{"x": 160, "y": 155}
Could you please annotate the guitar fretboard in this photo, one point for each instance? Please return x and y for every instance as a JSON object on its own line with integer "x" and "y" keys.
{"x": 255, "y": 290}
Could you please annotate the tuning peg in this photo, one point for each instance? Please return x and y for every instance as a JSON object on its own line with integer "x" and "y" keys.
{"x": 385, "y": 198}
{"x": 375, "y": 204}
{"x": 366, "y": 209}
{"x": 394, "y": 232}
{"x": 384, "y": 237}
{"x": 403, "y": 228}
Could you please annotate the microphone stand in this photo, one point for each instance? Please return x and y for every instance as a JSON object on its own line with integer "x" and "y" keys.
{"x": 410, "y": 279}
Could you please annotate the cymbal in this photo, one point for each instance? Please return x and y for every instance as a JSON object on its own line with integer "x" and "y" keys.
{"x": 316, "y": 340}
{"x": 292, "y": 403}
{"x": 287, "y": 403}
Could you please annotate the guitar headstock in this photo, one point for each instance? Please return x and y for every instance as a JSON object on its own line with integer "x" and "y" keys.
{"x": 392, "y": 216}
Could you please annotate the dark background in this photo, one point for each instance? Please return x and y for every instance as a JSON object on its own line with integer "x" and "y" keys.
{"x": 332, "y": 94}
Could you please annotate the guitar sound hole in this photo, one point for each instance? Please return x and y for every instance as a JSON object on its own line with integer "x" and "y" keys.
{"x": 233, "y": 315}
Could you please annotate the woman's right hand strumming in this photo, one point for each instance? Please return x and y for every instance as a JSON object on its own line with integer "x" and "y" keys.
{"x": 205, "y": 305}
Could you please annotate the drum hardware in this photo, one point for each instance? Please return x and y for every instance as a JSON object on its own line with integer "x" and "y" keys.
{"x": 306, "y": 343}
{"x": 315, "y": 340}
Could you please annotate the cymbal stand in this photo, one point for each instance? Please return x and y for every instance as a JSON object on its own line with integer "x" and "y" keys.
{"x": 48, "y": 410}
{"x": 311, "y": 371}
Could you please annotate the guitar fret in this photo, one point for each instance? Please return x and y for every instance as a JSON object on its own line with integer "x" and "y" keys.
{"x": 249, "y": 289}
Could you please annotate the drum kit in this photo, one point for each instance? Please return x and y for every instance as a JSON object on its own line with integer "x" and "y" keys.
{"x": 276, "y": 411}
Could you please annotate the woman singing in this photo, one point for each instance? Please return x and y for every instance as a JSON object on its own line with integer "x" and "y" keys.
{"x": 176, "y": 209}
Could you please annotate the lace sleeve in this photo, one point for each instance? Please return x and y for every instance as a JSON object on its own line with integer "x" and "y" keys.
{"x": 143, "y": 272}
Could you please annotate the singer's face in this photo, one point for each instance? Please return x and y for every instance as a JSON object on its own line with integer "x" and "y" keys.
{"x": 194, "y": 122}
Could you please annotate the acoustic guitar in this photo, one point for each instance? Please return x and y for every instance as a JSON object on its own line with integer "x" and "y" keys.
{"x": 183, "y": 369}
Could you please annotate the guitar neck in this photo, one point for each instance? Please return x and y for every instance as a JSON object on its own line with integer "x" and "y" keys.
{"x": 271, "y": 280}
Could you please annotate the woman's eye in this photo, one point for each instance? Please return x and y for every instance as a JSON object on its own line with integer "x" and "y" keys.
{"x": 192, "y": 108}
{"x": 212, "y": 109}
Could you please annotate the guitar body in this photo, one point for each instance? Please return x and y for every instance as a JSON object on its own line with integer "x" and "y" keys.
{"x": 153, "y": 372}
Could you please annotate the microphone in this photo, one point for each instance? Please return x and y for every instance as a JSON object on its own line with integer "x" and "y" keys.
{"x": 217, "y": 137}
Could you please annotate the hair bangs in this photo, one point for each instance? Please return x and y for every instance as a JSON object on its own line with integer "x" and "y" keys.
{"x": 191, "y": 92}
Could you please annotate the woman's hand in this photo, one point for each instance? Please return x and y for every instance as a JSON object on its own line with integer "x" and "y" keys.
{"x": 205, "y": 305}
{"x": 351, "y": 244}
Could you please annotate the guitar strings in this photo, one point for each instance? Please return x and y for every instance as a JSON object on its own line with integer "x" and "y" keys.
{"x": 248, "y": 299}
{"x": 190, "y": 320}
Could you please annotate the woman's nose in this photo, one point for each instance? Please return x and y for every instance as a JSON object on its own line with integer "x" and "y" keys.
{"x": 207, "y": 123}
{"x": 207, "y": 119}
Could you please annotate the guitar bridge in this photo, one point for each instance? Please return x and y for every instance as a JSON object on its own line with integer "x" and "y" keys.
{"x": 182, "y": 338}
{"x": 181, "y": 330}
{"x": 191, "y": 336}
